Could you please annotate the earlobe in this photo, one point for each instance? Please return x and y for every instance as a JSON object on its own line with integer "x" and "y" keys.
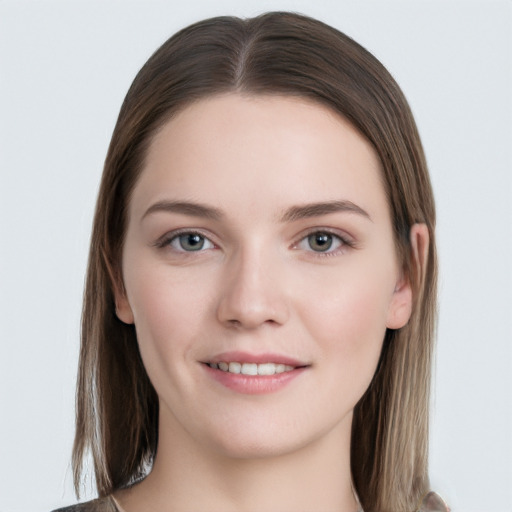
{"x": 123, "y": 309}
{"x": 401, "y": 304}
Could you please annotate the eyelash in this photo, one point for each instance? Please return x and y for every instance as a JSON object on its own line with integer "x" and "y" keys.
{"x": 169, "y": 238}
{"x": 343, "y": 242}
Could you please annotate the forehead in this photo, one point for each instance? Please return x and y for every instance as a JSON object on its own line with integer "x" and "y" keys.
{"x": 260, "y": 150}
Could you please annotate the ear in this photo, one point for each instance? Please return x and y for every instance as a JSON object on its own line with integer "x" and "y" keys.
{"x": 400, "y": 308}
{"x": 123, "y": 309}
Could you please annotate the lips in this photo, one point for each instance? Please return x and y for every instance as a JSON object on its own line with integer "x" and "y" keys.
{"x": 247, "y": 357}
{"x": 252, "y": 368}
{"x": 254, "y": 373}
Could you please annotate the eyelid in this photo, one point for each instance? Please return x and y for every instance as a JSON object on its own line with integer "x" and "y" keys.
{"x": 346, "y": 241}
{"x": 165, "y": 240}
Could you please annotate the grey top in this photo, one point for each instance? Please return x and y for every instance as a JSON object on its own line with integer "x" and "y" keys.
{"x": 99, "y": 505}
{"x": 432, "y": 502}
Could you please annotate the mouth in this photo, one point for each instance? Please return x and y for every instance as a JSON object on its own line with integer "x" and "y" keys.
{"x": 252, "y": 368}
{"x": 254, "y": 374}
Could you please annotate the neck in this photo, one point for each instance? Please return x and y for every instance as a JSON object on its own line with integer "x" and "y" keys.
{"x": 187, "y": 477}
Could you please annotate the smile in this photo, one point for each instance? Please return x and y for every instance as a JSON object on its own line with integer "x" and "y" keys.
{"x": 254, "y": 374}
{"x": 251, "y": 368}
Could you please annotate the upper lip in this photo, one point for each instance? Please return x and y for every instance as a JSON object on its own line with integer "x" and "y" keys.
{"x": 246, "y": 357}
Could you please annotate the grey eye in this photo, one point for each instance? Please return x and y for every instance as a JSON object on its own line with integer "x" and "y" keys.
{"x": 320, "y": 241}
{"x": 190, "y": 242}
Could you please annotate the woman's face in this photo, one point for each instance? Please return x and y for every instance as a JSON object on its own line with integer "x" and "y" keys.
{"x": 259, "y": 242}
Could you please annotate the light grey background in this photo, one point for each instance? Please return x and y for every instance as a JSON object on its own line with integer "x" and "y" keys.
{"x": 64, "y": 70}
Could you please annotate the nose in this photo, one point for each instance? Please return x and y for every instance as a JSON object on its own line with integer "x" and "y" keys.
{"x": 253, "y": 292}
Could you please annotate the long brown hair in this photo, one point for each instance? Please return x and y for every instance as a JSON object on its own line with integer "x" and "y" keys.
{"x": 275, "y": 53}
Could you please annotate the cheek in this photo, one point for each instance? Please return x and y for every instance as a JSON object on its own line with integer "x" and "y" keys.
{"x": 351, "y": 321}
{"x": 348, "y": 322}
{"x": 168, "y": 309}
{"x": 352, "y": 300}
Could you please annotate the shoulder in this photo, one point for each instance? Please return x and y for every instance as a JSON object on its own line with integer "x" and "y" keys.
{"x": 99, "y": 505}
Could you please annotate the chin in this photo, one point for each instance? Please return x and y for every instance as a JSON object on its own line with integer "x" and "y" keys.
{"x": 266, "y": 439}
{"x": 242, "y": 448}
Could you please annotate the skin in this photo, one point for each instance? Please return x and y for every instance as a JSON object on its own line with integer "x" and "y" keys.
{"x": 258, "y": 285}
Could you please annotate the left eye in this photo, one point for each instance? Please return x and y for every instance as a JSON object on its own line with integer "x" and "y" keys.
{"x": 321, "y": 241}
{"x": 190, "y": 242}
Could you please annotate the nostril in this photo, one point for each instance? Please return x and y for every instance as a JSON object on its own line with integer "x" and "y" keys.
{"x": 237, "y": 323}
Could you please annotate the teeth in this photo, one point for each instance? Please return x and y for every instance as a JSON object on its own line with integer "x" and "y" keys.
{"x": 266, "y": 369}
{"x": 234, "y": 368}
{"x": 252, "y": 368}
{"x": 280, "y": 368}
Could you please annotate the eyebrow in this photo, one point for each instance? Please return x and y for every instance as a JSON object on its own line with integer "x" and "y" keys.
{"x": 186, "y": 208}
{"x": 292, "y": 214}
{"x": 316, "y": 209}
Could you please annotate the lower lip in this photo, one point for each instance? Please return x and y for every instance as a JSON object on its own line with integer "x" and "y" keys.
{"x": 253, "y": 384}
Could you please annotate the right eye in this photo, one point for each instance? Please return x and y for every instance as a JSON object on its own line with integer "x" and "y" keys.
{"x": 190, "y": 242}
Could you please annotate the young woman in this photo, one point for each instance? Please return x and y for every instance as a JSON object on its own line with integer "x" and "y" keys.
{"x": 260, "y": 299}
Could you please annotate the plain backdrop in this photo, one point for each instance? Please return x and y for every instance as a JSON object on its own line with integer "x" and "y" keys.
{"x": 64, "y": 70}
